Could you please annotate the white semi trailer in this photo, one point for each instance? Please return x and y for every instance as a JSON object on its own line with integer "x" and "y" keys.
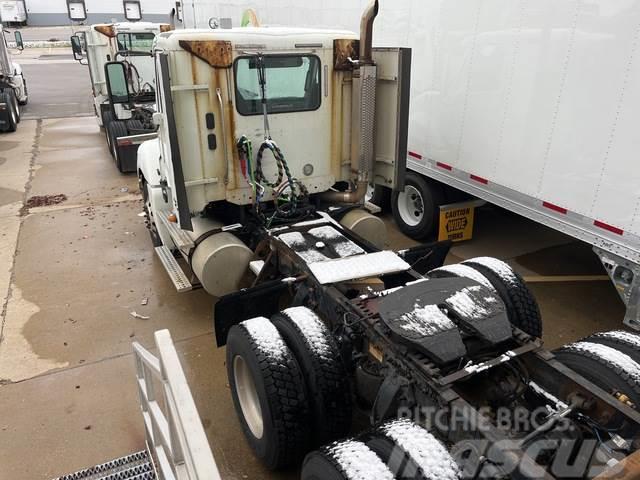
{"x": 13, "y": 86}
{"x": 527, "y": 104}
{"x": 124, "y": 111}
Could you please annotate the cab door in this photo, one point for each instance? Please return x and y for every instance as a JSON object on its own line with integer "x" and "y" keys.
{"x": 392, "y": 115}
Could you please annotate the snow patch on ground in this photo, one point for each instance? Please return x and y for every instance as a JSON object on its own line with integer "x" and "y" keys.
{"x": 358, "y": 266}
{"x": 465, "y": 271}
{"x": 425, "y": 321}
{"x": 266, "y": 337}
{"x": 359, "y": 462}
{"x": 619, "y": 359}
{"x": 428, "y": 453}
{"x": 312, "y": 328}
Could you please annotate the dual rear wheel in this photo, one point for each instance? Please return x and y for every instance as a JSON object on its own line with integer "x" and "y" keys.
{"x": 289, "y": 386}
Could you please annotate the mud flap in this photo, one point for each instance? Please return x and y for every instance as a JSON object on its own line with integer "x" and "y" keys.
{"x": 260, "y": 301}
{"x": 424, "y": 258}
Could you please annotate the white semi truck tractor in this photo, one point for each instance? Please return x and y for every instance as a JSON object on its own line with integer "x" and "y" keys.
{"x": 13, "y": 86}
{"x": 125, "y": 113}
{"x": 265, "y": 127}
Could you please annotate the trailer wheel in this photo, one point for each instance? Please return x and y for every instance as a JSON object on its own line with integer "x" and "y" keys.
{"x": 115, "y": 130}
{"x": 8, "y": 97}
{"x": 379, "y": 196}
{"x": 347, "y": 460}
{"x": 268, "y": 393}
{"x": 611, "y": 370}
{"x": 149, "y": 220}
{"x": 411, "y": 452}
{"x": 415, "y": 210}
{"x": 325, "y": 375}
{"x": 522, "y": 307}
{"x": 625, "y": 342}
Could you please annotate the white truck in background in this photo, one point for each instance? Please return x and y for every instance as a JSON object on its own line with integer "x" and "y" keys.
{"x": 525, "y": 104}
{"x": 124, "y": 111}
{"x": 13, "y": 86}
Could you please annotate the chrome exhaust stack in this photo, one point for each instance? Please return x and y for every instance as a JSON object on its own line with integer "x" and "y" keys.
{"x": 363, "y": 110}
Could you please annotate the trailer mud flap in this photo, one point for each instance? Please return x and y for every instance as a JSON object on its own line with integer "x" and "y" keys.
{"x": 260, "y": 301}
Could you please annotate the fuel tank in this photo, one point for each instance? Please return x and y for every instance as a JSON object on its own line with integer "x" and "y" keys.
{"x": 220, "y": 260}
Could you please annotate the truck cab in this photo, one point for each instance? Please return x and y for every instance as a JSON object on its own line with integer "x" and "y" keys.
{"x": 13, "y": 86}
{"x": 263, "y": 126}
{"x": 129, "y": 46}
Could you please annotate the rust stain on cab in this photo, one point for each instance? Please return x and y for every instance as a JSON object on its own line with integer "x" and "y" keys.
{"x": 106, "y": 29}
{"x": 217, "y": 53}
{"x": 343, "y": 49}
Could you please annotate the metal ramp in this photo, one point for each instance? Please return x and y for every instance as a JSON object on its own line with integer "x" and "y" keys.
{"x": 137, "y": 466}
{"x": 177, "y": 446}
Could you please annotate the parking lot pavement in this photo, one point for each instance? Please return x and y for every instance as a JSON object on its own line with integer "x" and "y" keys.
{"x": 58, "y": 85}
{"x": 46, "y": 34}
{"x": 74, "y": 273}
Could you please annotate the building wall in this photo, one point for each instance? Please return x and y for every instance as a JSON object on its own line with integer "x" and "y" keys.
{"x": 54, "y": 12}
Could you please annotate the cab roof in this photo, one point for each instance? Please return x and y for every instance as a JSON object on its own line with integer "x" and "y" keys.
{"x": 254, "y": 37}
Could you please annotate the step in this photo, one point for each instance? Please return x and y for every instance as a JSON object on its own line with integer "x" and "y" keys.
{"x": 181, "y": 238}
{"x": 136, "y": 466}
{"x": 177, "y": 275}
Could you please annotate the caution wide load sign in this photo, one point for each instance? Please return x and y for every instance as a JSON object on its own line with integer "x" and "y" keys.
{"x": 456, "y": 221}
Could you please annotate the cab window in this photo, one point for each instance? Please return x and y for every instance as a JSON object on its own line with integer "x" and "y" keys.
{"x": 292, "y": 83}
{"x": 136, "y": 42}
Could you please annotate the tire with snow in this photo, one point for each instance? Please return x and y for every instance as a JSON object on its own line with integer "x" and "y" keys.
{"x": 611, "y": 370}
{"x": 522, "y": 307}
{"x": 416, "y": 209}
{"x": 347, "y": 460}
{"x": 459, "y": 270}
{"x": 625, "y": 342}
{"x": 268, "y": 393}
{"x": 410, "y": 452}
{"x": 326, "y": 379}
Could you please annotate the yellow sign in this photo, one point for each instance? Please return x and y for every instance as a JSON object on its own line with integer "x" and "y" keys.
{"x": 456, "y": 221}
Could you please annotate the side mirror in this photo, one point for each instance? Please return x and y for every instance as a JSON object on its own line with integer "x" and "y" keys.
{"x": 76, "y": 46}
{"x": 19, "y": 41}
{"x": 117, "y": 85}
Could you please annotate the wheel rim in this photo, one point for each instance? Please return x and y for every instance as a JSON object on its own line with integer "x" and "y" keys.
{"x": 411, "y": 206}
{"x": 248, "y": 396}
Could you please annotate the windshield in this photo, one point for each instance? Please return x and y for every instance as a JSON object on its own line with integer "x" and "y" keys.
{"x": 137, "y": 42}
{"x": 292, "y": 84}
